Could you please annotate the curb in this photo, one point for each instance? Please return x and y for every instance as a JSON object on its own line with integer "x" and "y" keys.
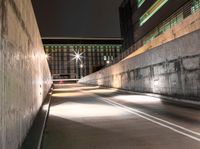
{"x": 45, "y": 121}
{"x": 34, "y": 137}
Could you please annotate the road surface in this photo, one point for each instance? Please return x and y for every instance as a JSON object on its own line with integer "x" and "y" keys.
{"x": 89, "y": 117}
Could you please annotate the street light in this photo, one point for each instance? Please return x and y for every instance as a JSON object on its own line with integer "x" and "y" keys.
{"x": 108, "y": 62}
{"x": 78, "y": 57}
{"x": 81, "y": 65}
{"x": 81, "y": 71}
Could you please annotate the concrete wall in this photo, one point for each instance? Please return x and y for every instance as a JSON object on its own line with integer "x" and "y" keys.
{"x": 171, "y": 69}
{"x": 24, "y": 74}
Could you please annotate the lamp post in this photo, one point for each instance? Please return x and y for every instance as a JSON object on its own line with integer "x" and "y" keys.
{"x": 77, "y": 57}
{"x": 81, "y": 70}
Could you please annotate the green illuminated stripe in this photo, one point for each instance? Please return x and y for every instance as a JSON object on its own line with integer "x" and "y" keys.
{"x": 140, "y": 2}
{"x": 146, "y": 15}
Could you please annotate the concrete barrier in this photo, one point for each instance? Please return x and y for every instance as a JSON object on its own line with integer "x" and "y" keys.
{"x": 24, "y": 74}
{"x": 171, "y": 69}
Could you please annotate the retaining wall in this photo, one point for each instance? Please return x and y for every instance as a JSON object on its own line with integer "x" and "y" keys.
{"x": 24, "y": 73}
{"x": 171, "y": 69}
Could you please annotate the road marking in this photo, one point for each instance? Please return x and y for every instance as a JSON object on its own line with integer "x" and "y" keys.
{"x": 149, "y": 117}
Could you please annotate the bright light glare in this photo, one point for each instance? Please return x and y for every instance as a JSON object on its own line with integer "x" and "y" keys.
{"x": 103, "y": 91}
{"x": 141, "y": 99}
{"x": 77, "y": 88}
{"x": 156, "y": 83}
{"x": 47, "y": 56}
{"x": 45, "y": 107}
{"x": 65, "y": 89}
{"x": 78, "y": 110}
{"x": 81, "y": 65}
{"x": 66, "y": 94}
{"x": 77, "y": 56}
{"x": 108, "y": 62}
{"x": 89, "y": 87}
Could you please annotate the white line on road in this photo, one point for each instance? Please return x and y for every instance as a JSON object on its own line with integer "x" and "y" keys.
{"x": 150, "y": 118}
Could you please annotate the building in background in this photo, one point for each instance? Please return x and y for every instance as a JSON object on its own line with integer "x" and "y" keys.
{"x": 73, "y": 58}
{"x": 143, "y": 20}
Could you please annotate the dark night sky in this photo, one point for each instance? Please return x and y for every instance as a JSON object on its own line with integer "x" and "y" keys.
{"x": 78, "y": 18}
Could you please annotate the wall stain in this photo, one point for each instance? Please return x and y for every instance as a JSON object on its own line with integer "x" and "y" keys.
{"x": 4, "y": 27}
{"x": 19, "y": 17}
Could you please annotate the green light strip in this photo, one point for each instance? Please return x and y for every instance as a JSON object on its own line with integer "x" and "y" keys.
{"x": 140, "y": 2}
{"x": 147, "y": 16}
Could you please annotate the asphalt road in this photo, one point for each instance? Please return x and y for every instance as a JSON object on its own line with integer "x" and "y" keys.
{"x": 83, "y": 117}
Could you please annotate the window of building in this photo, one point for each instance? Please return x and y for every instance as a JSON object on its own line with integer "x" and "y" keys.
{"x": 164, "y": 26}
{"x": 195, "y": 6}
{"x": 104, "y": 58}
{"x": 140, "y": 2}
{"x": 152, "y": 10}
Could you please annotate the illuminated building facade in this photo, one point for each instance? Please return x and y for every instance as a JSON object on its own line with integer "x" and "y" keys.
{"x": 74, "y": 58}
{"x": 143, "y": 20}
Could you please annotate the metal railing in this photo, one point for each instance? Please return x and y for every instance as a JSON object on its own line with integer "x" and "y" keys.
{"x": 187, "y": 9}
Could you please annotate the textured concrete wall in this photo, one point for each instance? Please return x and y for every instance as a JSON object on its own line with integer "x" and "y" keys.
{"x": 171, "y": 69}
{"x": 24, "y": 74}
